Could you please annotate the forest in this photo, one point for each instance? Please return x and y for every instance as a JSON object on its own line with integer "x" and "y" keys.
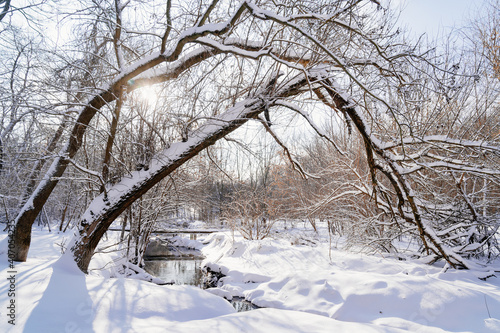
{"x": 248, "y": 115}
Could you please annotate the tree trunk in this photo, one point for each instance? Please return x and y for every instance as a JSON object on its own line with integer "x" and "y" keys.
{"x": 22, "y": 231}
{"x": 37, "y": 168}
{"x": 29, "y": 212}
{"x": 102, "y": 212}
{"x": 34, "y": 204}
{"x": 401, "y": 186}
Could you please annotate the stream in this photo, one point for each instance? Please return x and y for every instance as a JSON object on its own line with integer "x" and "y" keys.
{"x": 183, "y": 266}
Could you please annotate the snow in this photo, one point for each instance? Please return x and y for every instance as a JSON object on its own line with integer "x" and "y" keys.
{"x": 302, "y": 289}
{"x": 170, "y": 156}
{"x": 231, "y": 49}
{"x": 354, "y": 288}
{"x": 170, "y": 67}
{"x": 443, "y": 139}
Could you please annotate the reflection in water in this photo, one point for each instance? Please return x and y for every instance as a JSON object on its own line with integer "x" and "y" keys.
{"x": 185, "y": 269}
{"x": 241, "y": 305}
{"x": 178, "y": 271}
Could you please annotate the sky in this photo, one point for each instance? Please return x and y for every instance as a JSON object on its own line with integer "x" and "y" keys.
{"x": 420, "y": 16}
{"x": 434, "y": 17}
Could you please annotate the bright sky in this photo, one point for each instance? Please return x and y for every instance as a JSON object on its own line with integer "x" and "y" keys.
{"x": 436, "y": 16}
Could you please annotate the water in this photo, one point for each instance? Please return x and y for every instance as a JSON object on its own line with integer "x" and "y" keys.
{"x": 176, "y": 270}
{"x": 185, "y": 268}
{"x": 241, "y": 305}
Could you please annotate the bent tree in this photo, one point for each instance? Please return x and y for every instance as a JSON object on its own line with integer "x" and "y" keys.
{"x": 127, "y": 80}
{"x": 298, "y": 58}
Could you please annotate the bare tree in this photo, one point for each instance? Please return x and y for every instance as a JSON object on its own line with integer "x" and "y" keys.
{"x": 293, "y": 58}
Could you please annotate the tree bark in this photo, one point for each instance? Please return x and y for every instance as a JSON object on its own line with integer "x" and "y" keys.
{"x": 5, "y": 9}
{"x": 1, "y": 155}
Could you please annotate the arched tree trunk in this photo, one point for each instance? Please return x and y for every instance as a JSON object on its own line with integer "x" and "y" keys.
{"x": 22, "y": 231}
{"x": 28, "y": 213}
{"x": 104, "y": 210}
{"x": 40, "y": 163}
{"x": 128, "y": 78}
{"x": 389, "y": 168}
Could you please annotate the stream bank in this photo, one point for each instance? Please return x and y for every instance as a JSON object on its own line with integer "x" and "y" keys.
{"x": 181, "y": 265}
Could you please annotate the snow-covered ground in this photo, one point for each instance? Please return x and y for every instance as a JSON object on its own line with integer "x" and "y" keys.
{"x": 302, "y": 289}
{"x": 385, "y": 293}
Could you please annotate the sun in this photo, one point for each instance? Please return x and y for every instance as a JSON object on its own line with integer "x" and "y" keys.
{"x": 148, "y": 95}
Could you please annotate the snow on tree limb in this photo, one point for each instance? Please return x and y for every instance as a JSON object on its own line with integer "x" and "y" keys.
{"x": 105, "y": 209}
{"x": 108, "y": 94}
{"x": 395, "y": 174}
{"x": 399, "y": 164}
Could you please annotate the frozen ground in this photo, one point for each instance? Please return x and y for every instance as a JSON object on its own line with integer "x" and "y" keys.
{"x": 302, "y": 288}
